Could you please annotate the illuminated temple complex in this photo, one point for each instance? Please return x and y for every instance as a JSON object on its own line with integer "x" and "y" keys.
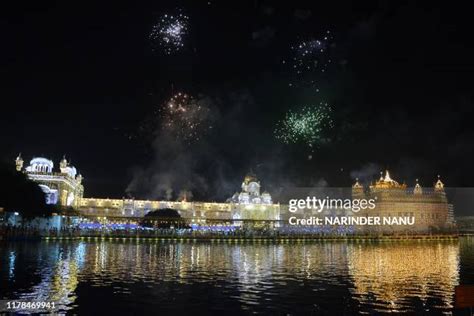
{"x": 429, "y": 206}
{"x": 248, "y": 205}
{"x": 63, "y": 187}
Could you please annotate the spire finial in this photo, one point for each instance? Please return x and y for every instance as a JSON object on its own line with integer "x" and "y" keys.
{"x": 19, "y": 162}
{"x": 439, "y": 185}
{"x": 418, "y": 189}
{"x": 357, "y": 184}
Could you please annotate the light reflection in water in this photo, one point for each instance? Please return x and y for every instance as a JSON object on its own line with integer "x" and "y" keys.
{"x": 56, "y": 274}
{"x": 387, "y": 277}
{"x": 367, "y": 277}
{"x": 11, "y": 264}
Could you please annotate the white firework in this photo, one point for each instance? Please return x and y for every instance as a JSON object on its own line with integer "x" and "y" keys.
{"x": 169, "y": 32}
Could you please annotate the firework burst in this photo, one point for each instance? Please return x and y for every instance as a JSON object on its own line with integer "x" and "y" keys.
{"x": 169, "y": 32}
{"x": 185, "y": 118}
{"x": 307, "y": 125}
{"x": 309, "y": 60}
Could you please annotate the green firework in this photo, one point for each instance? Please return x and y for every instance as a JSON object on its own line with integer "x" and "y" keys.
{"x": 308, "y": 125}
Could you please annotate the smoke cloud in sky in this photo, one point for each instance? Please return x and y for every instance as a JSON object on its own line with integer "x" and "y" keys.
{"x": 367, "y": 172}
{"x": 200, "y": 168}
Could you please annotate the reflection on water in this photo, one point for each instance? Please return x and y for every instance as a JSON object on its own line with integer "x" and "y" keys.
{"x": 313, "y": 277}
{"x": 389, "y": 277}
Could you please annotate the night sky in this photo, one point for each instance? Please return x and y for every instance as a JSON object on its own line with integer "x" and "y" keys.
{"x": 88, "y": 81}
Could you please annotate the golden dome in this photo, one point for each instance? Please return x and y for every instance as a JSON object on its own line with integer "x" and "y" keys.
{"x": 250, "y": 177}
{"x": 387, "y": 182}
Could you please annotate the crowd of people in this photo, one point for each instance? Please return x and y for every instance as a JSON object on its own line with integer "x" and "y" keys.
{"x": 20, "y": 232}
{"x": 25, "y": 232}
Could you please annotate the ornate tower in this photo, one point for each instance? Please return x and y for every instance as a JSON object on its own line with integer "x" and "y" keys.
{"x": 79, "y": 179}
{"x": 19, "y": 162}
{"x": 63, "y": 165}
{"x": 357, "y": 189}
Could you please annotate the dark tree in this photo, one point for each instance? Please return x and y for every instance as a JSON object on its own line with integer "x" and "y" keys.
{"x": 19, "y": 194}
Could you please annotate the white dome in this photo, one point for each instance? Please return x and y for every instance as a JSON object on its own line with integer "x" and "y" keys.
{"x": 71, "y": 171}
{"x": 40, "y": 164}
{"x": 41, "y": 160}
